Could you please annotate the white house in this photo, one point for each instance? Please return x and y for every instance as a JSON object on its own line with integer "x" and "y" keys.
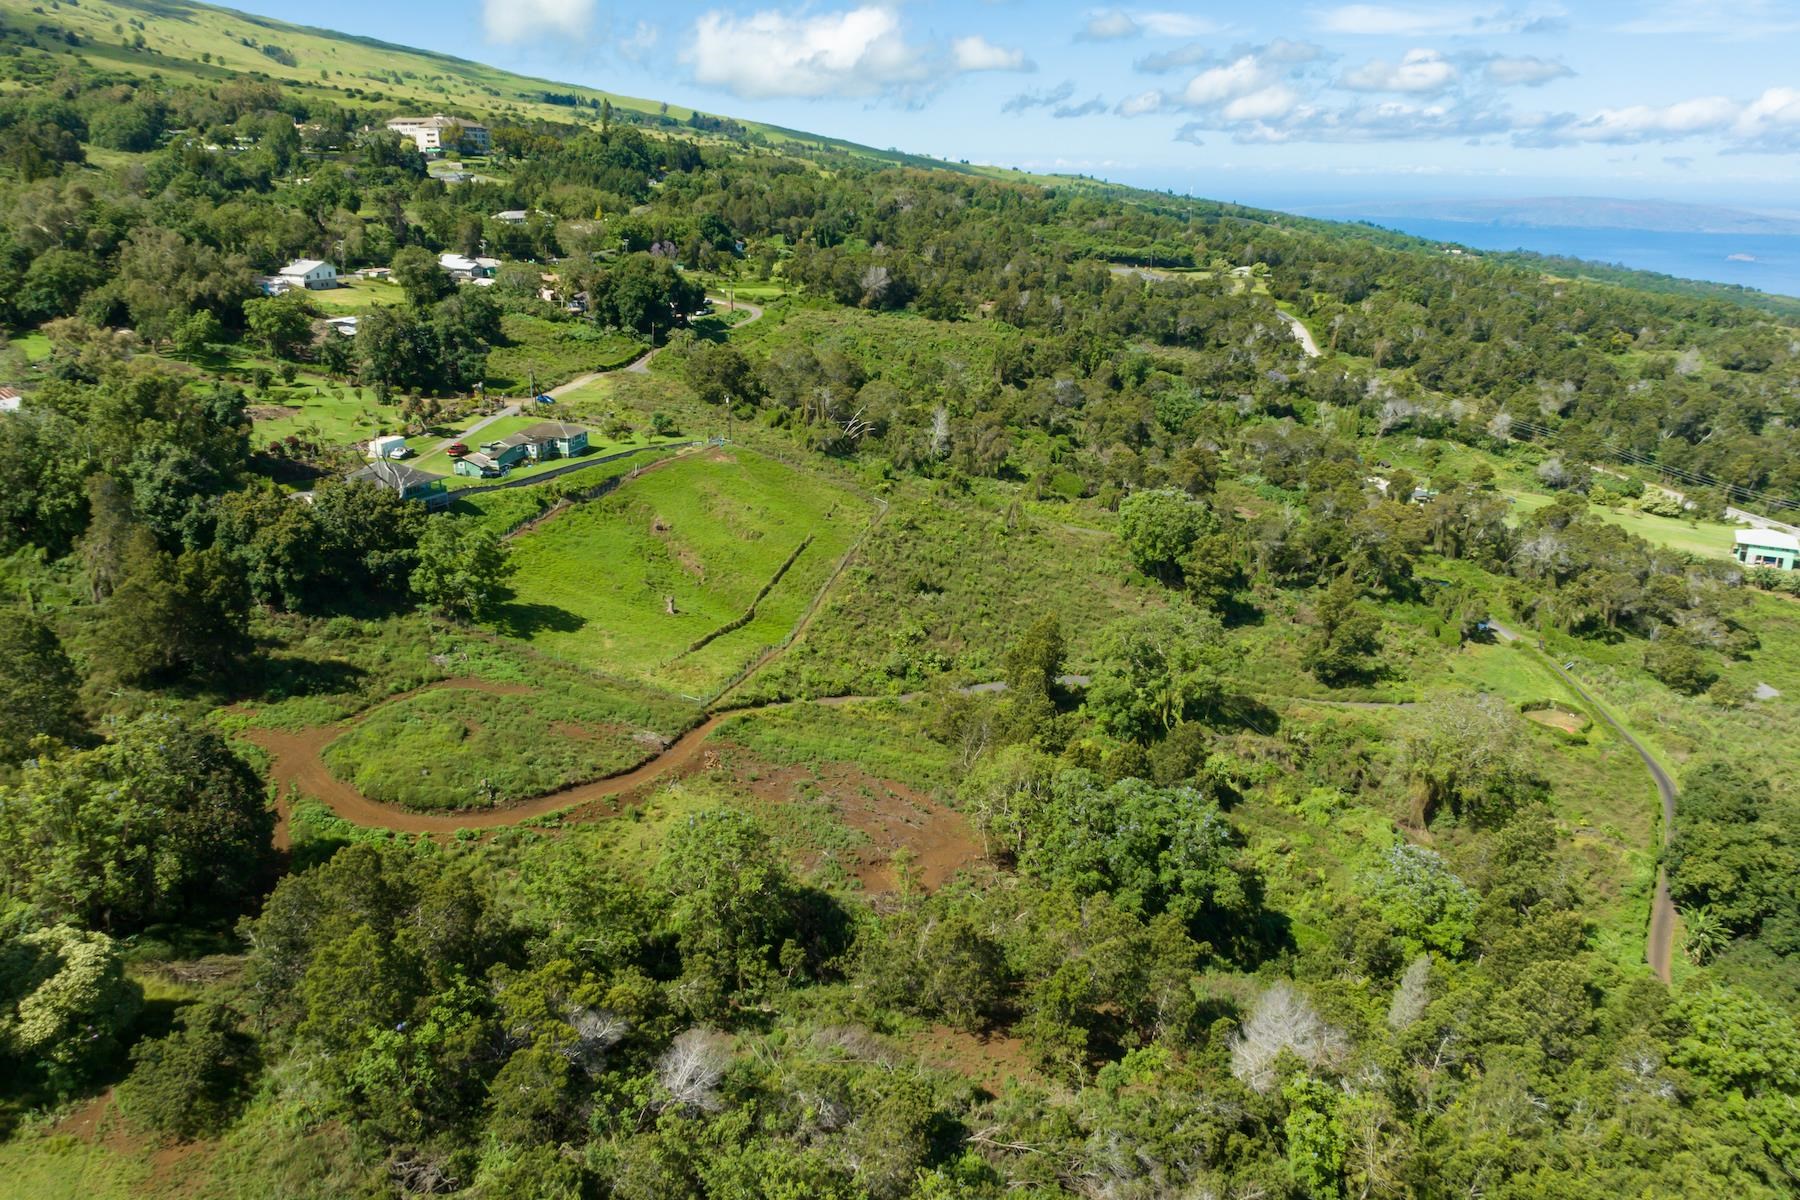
{"x": 384, "y": 447}
{"x": 310, "y": 273}
{"x": 512, "y": 216}
{"x": 435, "y": 132}
{"x": 9, "y": 399}
{"x": 461, "y": 266}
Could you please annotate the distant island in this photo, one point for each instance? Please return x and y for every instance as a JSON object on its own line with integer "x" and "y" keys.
{"x": 1579, "y": 212}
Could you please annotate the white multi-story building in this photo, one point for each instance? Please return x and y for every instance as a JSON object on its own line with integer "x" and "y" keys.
{"x": 437, "y": 132}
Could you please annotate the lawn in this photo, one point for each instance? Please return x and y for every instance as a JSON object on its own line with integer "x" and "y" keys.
{"x": 708, "y": 534}
{"x": 333, "y": 414}
{"x": 354, "y": 295}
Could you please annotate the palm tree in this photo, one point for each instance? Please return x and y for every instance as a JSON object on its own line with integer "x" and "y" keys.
{"x": 1703, "y": 934}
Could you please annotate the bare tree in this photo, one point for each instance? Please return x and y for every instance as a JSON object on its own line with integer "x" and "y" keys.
{"x": 1283, "y": 1019}
{"x": 1411, "y": 995}
{"x": 690, "y": 1069}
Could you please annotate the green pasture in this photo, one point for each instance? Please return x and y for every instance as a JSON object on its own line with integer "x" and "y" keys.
{"x": 455, "y": 748}
{"x": 707, "y": 533}
{"x": 552, "y": 352}
{"x": 944, "y": 586}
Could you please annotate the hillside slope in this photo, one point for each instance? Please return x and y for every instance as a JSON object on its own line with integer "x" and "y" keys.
{"x": 191, "y": 42}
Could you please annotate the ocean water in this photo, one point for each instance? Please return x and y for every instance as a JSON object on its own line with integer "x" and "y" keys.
{"x": 1769, "y": 262}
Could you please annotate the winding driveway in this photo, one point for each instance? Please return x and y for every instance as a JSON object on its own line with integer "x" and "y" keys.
{"x": 639, "y": 365}
{"x": 1301, "y": 332}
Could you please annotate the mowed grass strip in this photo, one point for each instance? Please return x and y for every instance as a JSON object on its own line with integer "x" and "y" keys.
{"x": 456, "y": 748}
{"x": 593, "y": 586}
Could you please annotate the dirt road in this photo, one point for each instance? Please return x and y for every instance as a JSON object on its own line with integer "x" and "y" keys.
{"x": 1658, "y": 949}
{"x": 1302, "y": 333}
{"x": 298, "y": 769}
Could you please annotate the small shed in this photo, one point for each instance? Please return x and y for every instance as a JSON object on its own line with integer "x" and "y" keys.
{"x": 1767, "y": 548}
{"x": 477, "y": 465}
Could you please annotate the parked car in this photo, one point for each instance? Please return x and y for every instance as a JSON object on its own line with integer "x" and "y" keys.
{"x": 546, "y": 399}
{"x": 400, "y": 452}
{"x": 456, "y": 450}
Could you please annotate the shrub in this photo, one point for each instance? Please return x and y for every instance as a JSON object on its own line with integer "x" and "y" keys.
{"x": 1680, "y": 666}
{"x": 194, "y": 1082}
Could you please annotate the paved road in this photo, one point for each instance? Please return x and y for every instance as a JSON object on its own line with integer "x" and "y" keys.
{"x": 1302, "y": 333}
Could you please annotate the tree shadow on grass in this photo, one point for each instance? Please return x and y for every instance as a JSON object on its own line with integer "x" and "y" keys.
{"x": 281, "y": 676}
{"x": 524, "y": 620}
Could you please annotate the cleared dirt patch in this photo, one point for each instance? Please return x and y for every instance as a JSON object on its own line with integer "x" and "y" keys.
{"x": 1555, "y": 718}
{"x": 891, "y": 817}
{"x": 992, "y": 1060}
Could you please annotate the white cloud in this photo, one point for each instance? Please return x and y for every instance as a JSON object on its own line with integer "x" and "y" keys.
{"x": 1217, "y": 85}
{"x": 1109, "y": 25}
{"x": 1142, "y": 103}
{"x": 1047, "y": 98}
{"x": 976, "y": 53}
{"x": 1523, "y": 71}
{"x": 1651, "y": 122}
{"x": 859, "y": 52}
{"x": 511, "y": 21}
{"x": 1422, "y": 72}
{"x": 1176, "y": 24}
{"x": 1264, "y": 104}
{"x": 1722, "y": 20}
{"x": 1087, "y": 109}
{"x": 1771, "y": 121}
{"x": 1387, "y": 20}
{"x": 1115, "y": 24}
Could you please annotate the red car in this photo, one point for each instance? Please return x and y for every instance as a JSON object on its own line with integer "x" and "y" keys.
{"x": 456, "y": 450}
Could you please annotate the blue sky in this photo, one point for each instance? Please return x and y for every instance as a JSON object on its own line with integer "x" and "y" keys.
{"x": 1279, "y": 102}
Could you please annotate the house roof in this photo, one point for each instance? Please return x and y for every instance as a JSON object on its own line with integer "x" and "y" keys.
{"x": 399, "y": 476}
{"x": 512, "y": 439}
{"x": 545, "y": 430}
{"x": 456, "y": 262}
{"x": 302, "y": 266}
{"x": 511, "y": 214}
{"x": 437, "y": 121}
{"x": 1769, "y": 539}
{"x": 481, "y": 460}
{"x": 9, "y": 399}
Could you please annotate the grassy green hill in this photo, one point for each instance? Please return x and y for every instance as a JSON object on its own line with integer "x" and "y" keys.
{"x": 188, "y": 42}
